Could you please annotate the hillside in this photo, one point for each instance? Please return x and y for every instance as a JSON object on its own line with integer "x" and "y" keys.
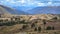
{"x": 25, "y": 24}
{"x": 6, "y": 10}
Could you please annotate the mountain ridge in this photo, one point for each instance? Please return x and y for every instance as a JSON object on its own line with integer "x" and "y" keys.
{"x": 10, "y": 10}
{"x": 45, "y": 10}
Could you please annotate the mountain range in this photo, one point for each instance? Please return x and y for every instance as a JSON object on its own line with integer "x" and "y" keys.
{"x": 36, "y": 10}
{"x": 8, "y": 10}
{"x": 45, "y": 10}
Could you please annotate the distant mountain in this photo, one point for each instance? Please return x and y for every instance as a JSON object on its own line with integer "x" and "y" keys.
{"x": 45, "y": 10}
{"x": 4, "y": 9}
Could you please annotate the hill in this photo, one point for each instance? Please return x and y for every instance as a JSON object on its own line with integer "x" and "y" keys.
{"x": 8, "y": 10}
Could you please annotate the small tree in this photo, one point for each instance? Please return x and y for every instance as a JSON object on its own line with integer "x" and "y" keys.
{"x": 39, "y": 28}
{"x": 23, "y": 21}
{"x": 9, "y": 23}
{"x": 33, "y": 25}
{"x": 1, "y": 20}
{"x": 24, "y": 26}
{"x": 35, "y": 29}
{"x": 53, "y": 28}
{"x": 16, "y": 19}
{"x": 55, "y": 18}
{"x": 36, "y": 22}
{"x": 44, "y": 22}
{"x": 48, "y": 28}
{"x": 11, "y": 19}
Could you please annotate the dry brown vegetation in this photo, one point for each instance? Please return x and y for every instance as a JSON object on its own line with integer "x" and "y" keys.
{"x": 30, "y": 24}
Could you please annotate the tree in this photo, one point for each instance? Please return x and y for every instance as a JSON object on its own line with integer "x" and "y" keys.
{"x": 44, "y": 22}
{"x": 11, "y": 19}
{"x": 36, "y": 22}
{"x": 18, "y": 19}
{"x": 9, "y": 23}
{"x": 48, "y": 28}
{"x": 24, "y": 26}
{"x": 39, "y": 28}
{"x": 1, "y": 20}
{"x": 53, "y": 28}
{"x": 35, "y": 29}
{"x": 55, "y": 18}
{"x": 32, "y": 25}
{"x": 23, "y": 21}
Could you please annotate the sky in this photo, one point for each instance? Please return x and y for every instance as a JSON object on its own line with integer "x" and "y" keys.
{"x": 28, "y": 4}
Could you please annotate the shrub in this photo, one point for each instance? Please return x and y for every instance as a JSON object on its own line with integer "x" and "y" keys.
{"x": 7, "y": 23}
{"x": 55, "y": 18}
{"x": 22, "y": 22}
{"x": 48, "y": 28}
{"x": 44, "y": 22}
{"x": 1, "y": 20}
{"x": 35, "y": 29}
{"x": 53, "y": 28}
{"x": 24, "y": 26}
{"x": 32, "y": 25}
{"x": 39, "y": 28}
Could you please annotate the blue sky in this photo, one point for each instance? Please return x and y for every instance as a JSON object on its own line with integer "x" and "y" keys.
{"x": 29, "y": 3}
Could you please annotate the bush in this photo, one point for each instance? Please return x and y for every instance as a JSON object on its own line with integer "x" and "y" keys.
{"x": 22, "y": 22}
{"x": 24, "y": 26}
{"x": 10, "y": 23}
{"x": 55, "y": 18}
{"x": 48, "y": 28}
{"x": 53, "y": 28}
{"x": 32, "y": 25}
{"x": 35, "y": 29}
{"x": 7, "y": 23}
{"x": 44, "y": 22}
{"x": 39, "y": 28}
{"x": 1, "y": 20}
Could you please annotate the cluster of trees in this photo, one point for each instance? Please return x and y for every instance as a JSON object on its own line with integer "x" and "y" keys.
{"x": 50, "y": 28}
{"x": 10, "y": 23}
{"x": 24, "y": 26}
{"x": 37, "y": 29}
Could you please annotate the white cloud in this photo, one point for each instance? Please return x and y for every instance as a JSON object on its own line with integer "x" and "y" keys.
{"x": 49, "y": 3}
{"x": 40, "y": 4}
{"x": 28, "y": 3}
{"x": 12, "y": 2}
{"x": 8, "y": 0}
{"x": 21, "y": 1}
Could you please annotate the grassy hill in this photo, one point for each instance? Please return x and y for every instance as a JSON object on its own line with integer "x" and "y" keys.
{"x": 28, "y": 24}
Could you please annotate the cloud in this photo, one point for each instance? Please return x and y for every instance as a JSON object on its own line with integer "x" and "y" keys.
{"x": 40, "y": 4}
{"x": 1, "y": 1}
{"x": 49, "y": 3}
{"x": 30, "y": 2}
{"x": 8, "y": 0}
